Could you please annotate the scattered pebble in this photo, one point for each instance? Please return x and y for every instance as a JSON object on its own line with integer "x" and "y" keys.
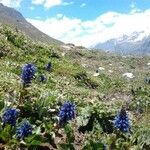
{"x": 110, "y": 71}
{"x": 101, "y": 68}
{"x": 84, "y": 65}
{"x": 96, "y": 74}
{"x": 63, "y": 54}
{"x": 128, "y": 75}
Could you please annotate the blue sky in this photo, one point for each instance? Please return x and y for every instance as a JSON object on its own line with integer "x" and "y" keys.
{"x": 83, "y": 9}
{"x": 85, "y": 22}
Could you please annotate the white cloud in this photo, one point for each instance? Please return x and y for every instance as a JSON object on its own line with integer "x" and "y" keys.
{"x": 59, "y": 15}
{"x": 38, "y": 17}
{"x": 38, "y": 1}
{"x": 67, "y": 3}
{"x": 11, "y": 3}
{"x": 135, "y": 10}
{"x": 83, "y": 5}
{"x": 132, "y": 5}
{"x": 31, "y": 8}
{"x": 51, "y": 3}
{"x": 106, "y": 26}
{"x": 47, "y": 3}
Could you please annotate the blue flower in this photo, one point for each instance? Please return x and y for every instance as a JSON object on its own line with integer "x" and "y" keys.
{"x": 10, "y": 116}
{"x": 28, "y": 72}
{"x": 42, "y": 78}
{"x": 24, "y": 130}
{"x": 121, "y": 121}
{"x": 49, "y": 66}
{"x": 67, "y": 112}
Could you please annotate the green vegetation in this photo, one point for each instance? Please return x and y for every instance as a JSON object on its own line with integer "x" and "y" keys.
{"x": 98, "y": 99}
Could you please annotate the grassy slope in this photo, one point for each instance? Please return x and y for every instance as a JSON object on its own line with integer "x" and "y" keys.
{"x": 70, "y": 80}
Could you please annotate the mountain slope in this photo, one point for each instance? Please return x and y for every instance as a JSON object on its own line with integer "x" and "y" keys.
{"x": 137, "y": 43}
{"x": 11, "y": 17}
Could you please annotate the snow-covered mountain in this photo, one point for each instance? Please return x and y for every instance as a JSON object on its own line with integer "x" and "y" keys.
{"x": 137, "y": 43}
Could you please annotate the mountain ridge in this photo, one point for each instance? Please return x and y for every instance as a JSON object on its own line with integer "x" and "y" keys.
{"x": 136, "y": 43}
{"x": 11, "y": 17}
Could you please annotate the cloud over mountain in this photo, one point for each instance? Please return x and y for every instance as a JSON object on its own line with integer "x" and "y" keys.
{"x": 106, "y": 26}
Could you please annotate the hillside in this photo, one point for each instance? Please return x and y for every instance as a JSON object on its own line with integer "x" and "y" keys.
{"x": 94, "y": 81}
{"x": 12, "y": 17}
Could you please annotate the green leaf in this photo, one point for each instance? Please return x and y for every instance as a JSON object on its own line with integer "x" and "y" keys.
{"x": 34, "y": 140}
{"x": 2, "y": 104}
{"x": 66, "y": 146}
{"x": 91, "y": 145}
{"x": 6, "y": 133}
{"x": 84, "y": 117}
{"x": 70, "y": 134}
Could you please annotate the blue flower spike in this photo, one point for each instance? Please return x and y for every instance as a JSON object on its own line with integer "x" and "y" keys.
{"x": 10, "y": 116}
{"x": 49, "y": 67}
{"x": 67, "y": 112}
{"x": 42, "y": 78}
{"x": 28, "y": 72}
{"x": 24, "y": 130}
{"x": 121, "y": 121}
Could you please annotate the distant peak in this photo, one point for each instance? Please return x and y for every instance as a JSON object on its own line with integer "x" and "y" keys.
{"x": 1, "y": 4}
